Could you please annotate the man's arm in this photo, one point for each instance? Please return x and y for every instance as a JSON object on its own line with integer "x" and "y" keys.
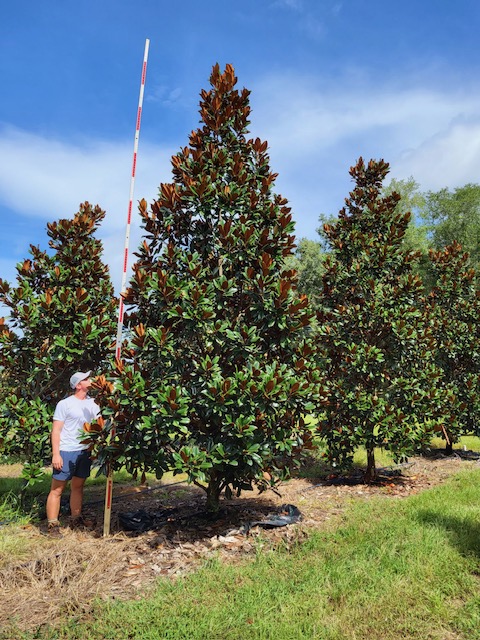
{"x": 57, "y": 461}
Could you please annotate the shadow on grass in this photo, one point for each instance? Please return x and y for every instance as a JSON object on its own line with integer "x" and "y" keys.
{"x": 319, "y": 472}
{"x": 462, "y": 533}
{"x": 441, "y": 454}
{"x": 10, "y": 485}
{"x": 312, "y": 468}
{"x": 29, "y": 501}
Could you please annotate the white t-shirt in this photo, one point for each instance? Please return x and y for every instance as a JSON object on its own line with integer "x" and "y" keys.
{"x": 74, "y": 412}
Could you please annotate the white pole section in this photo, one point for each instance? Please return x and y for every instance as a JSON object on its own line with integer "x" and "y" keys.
{"x": 118, "y": 346}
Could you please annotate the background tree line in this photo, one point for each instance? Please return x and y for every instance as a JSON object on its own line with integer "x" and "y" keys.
{"x": 438, "y": 218}
{"x": 234, "y": 345}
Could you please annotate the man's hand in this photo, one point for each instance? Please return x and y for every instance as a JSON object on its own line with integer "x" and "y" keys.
{"x": 57, "y": 462}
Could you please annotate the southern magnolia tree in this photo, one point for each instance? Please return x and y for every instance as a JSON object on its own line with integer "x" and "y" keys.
{"x": 375, "y": 342}
{"x": 454, "y": 310}
{"x": 62, "y": 319}
{"x": 216, "y": 380}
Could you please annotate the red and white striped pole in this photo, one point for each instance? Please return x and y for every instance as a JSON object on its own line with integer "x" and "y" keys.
{"x": 118, "y": 346}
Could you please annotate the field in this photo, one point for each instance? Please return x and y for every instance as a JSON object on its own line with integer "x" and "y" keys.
{"x": 359, "y": 554}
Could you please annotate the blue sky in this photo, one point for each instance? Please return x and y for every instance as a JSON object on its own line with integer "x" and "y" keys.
{"x": 331, "y": 80}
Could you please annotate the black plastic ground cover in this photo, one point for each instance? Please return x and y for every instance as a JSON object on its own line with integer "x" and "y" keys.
{"x": 141, "y": 520}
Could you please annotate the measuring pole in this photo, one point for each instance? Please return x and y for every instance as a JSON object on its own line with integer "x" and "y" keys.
{"x": 118, "y": 346}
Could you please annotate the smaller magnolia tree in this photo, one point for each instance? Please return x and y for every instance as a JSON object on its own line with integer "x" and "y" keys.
{"x": 62, "y": 319}
{"x": 217, "y": 377}
{"x": 453, "y": 307}
{"x": 374, "y": 339}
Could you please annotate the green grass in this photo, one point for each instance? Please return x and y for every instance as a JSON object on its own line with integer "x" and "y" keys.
{"x": 392, "y": 570}
{"x": 317, "y": 467}
{"x": 471, "y": 443}
{"x": 12, "y": 520}
{"x": 119, "y": 477}
{"x": 10, "y": 510}
{"x": 42, "y": 487}
{"x": 383, "y": 458}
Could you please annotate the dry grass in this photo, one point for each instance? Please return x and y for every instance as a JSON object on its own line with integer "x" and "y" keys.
{"x": 62, "y": 581}
{"x": 11, "y": 470}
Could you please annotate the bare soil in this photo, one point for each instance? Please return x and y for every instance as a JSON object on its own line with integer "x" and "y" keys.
{"x": 63, "y": 577}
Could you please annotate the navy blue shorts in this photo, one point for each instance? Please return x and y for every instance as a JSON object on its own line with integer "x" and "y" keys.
{"x": 75, "y": 463}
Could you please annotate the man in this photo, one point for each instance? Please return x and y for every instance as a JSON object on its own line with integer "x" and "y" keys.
{"x": 70, "y": 458}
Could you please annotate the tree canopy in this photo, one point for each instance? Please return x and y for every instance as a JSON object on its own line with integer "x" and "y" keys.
{"x": 217, "y": 378}
{"x": 375, "y": 341}
{"x": 453, "y": 309}
{"x": 62, "y": 319}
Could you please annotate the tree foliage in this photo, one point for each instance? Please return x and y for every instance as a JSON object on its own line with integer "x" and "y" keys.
{"x": 454, "y": 216}
{"x": 308, "y": 262}
{"x": 439, "y": 219}
{"x": 412, "y": 201}
{"x": 374, "y": 339}
{"x": 216, "y": 379}
{"x": 62, "y": 319}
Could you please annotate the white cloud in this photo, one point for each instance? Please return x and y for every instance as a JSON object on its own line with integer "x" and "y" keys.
{"x": 164, "y": 95}
{"x": 296, "y": 5}
{"x": 313, "y": 19}
{"x": 301, "y": 115}
{"x": 316, "y": 131}
{"x": 450, "y": 158}
{"x": 48, "y": 179}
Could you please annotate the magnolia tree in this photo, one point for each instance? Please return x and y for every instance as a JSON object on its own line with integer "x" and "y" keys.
{"x": 216, "y": 380}
{"x": 454, "y": 310}
{"x": 374, "y": 338}
{"x": 62, "y": 319}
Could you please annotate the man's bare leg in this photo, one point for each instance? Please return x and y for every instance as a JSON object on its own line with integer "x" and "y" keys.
{"x": 76, "y": 496}
{"x": 53, "y": 500}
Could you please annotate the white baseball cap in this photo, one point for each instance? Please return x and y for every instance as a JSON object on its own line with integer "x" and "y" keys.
{"x": 78, "y": 377}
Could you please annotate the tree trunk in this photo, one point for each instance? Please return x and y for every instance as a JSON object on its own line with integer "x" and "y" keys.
{"x": 23, "y": 494}
{"x": 370, "y": 473}
{"x": 214, "y": 489}
{"x": 448, "y": 441}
